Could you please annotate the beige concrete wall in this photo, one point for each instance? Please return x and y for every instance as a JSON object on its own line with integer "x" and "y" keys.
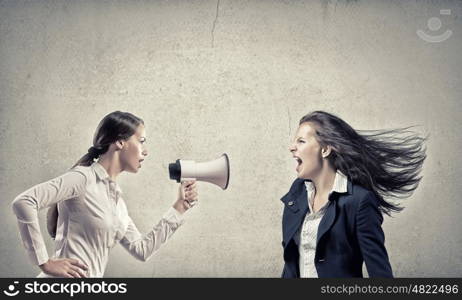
{"x": 236, "y": 78}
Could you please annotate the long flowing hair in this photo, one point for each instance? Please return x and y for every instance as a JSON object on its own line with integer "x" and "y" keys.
{"x": 386, "y": 162}
{"x": 113, "y": 127}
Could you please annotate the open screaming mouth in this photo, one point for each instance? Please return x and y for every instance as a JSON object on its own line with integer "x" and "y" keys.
{"x": 299, "y": 163}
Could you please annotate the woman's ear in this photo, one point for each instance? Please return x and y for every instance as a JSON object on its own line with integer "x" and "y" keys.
{"x": 326, "y": 151}
{"x": 119, "y": 144}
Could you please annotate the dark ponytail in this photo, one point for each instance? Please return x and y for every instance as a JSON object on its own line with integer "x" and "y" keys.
{"x": 114, "y": 127}
{"x": 93, "y": 153}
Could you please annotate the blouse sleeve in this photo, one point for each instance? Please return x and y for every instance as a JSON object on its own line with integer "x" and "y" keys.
{"x": 143, "y": 247}
{"x": 27, "y": 204}
{"x": 371, "y": 237}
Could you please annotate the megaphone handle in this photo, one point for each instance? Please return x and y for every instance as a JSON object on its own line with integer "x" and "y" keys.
{"x": 190, "y": 203}
{"x": 187, "y": 179}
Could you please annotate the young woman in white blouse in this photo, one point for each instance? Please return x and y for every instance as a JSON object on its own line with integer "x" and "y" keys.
{"x": 87, "y": 215}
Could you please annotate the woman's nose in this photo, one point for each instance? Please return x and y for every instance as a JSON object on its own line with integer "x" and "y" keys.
{"x": 291, "y": 148}
{"x": 145, "y": 152}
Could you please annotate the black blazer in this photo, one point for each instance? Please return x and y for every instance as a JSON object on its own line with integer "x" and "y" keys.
{"x": 349, "y": 233}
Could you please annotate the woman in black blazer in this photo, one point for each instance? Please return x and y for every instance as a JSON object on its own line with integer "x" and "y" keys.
{"x": 333, "y": 211}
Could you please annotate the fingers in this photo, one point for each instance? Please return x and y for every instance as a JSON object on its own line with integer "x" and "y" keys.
{"x": 76, "y": 268}
{"x": 188, "y": 183}
{"x": 190, "y": 199}
{"x": 188, "y": 192}
{"x": 73, "y": 274}
{"x": 79, "y": 272}
{"x": 191, "y": 187}
{"x": 191, "y": 196}
{"x": 188, "y": 204}
{"x": 65, "y": 267}
{"x": 77, "y": 263}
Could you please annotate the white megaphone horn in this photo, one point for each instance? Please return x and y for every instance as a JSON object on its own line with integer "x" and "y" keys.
{"x": 215, "y": 171}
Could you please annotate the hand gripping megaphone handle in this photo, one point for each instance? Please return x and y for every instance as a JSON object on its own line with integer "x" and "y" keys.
{"x": 189, "y": 203}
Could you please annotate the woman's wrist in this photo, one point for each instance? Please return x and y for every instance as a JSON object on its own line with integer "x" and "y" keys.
{"x": 43, "y": 266}
{"x": 179, "y": 207}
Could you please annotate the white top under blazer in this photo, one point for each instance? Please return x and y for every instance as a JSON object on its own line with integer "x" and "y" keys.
{"x": 310, "y": 226}
{"x": 92, "y": 219}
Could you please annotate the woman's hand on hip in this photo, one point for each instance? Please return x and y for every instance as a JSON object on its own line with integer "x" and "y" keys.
{"x": 187, "y": 196}
{"x": 64, "y": 267}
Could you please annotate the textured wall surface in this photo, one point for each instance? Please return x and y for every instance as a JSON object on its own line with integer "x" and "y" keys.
{"x": 231, "y": 76}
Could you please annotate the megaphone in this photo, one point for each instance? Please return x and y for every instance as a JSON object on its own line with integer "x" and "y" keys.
{"x": 215, "y": 171}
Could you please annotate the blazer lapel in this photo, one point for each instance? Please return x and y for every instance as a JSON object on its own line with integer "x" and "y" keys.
{"x": 327, "y": 221}
{"x": 329, "y": 217}
{"x": 297, "y": 203}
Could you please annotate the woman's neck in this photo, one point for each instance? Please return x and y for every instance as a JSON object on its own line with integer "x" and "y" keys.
{"x": 325, "y": 180}
{"x": 111, "y": 163}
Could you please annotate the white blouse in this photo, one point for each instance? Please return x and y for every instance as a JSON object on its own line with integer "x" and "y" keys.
{"x": 92, "y": 218}
{"x": 309, "y": 228}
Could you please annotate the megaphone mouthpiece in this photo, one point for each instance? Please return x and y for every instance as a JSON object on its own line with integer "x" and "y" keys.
{"x": 174, "y": 171}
